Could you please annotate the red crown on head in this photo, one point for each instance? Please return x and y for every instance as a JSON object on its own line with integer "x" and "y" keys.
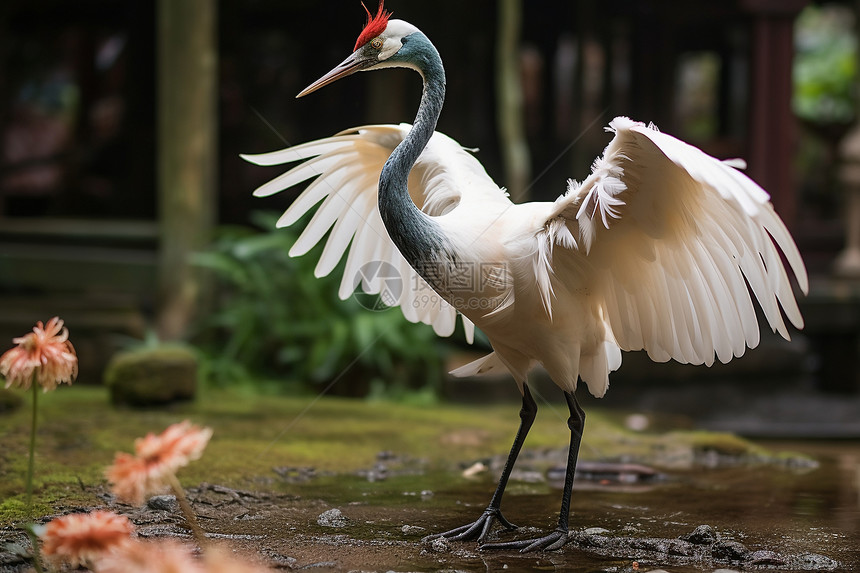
{"x": 375, "y": 25}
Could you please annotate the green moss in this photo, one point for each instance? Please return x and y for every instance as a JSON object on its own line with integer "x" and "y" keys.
{"x": 14, "y": 509}
{"x": 79, "y": 433}
{"x": 719, "y": 442}
{"x": 152, "y": 375}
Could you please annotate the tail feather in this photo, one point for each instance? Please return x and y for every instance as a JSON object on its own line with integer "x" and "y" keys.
{"x": 594, "y": 370}
{"x": 484, "y": 365}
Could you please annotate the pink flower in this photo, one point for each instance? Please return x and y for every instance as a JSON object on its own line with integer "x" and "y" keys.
{"x": 45, "y": 352}
{"x": 156, "y": 460}
{"x": 219, "y": 559}
{"x": 150, "y": 557}
{"x": 167, "y": 556}
{"x": 82, "y": 538}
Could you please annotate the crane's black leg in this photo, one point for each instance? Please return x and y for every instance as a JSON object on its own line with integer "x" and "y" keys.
{"x": 558, "y": 537}
{"x": 481, "y": 527}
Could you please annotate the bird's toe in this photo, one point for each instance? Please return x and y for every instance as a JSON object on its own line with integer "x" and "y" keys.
{"x": 478, "y": 530}
{"x": 549, "y": 542}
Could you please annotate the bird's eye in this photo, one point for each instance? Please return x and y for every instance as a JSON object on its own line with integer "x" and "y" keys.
{"x": 376, "y": 43}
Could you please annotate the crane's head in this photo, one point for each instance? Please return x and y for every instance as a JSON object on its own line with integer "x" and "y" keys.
{"x": 377, "y": 46}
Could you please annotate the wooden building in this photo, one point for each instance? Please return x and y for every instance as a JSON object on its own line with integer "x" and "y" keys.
{"x": 121, "y": 121}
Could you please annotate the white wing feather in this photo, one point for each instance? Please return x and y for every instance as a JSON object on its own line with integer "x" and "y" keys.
{"x": 346, "y": 169}
{"x": 675, "y": 240}
{"x": 659, "y": 249}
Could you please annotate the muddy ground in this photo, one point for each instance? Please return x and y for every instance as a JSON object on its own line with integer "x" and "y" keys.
{"x": 376, "y": 523}
{"x": 343, "y": 486}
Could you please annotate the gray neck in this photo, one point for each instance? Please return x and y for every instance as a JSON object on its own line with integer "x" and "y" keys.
{"x": 417, "y": 236}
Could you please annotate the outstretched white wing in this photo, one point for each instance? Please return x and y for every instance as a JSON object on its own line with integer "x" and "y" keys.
{"x": 670, "y": 241}
{"x": 346, "y": 169}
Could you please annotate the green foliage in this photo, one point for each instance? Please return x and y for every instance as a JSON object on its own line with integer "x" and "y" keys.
{"x": 274, "y": 318}
{"x": 825, "y": 65}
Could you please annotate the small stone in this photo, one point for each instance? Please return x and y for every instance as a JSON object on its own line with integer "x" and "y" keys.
{"x": 162, "y": 503}
{"x": 426, "y": 494}
{"x": 411, "y": 529}
{"x": 527, "y": 476}
{"x": 440, "y": 545}
{"x": 660, "y": 545}
{"x": 332, "y": 518}
{"x": 680, "y": 547}
{"x": 729, "y": 550}
{"x": 474, "y": 470}
{"x": 637, "y": 422}
{"x": 763, "y": 557}
{"x": 702, "y": 535}
{"x": 596, "y": 531}
{"x": 248, "y": 517}
{"x": 818, "y": 562}
{"x": 378, "y": 473}
{"x": 281, "y": 561}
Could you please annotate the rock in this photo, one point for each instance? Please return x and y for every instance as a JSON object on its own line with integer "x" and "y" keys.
{"x": 702, "y": 535}
{"x": 411, "y": 529}
{"x": 152, "y": 376}
{"x": 279, "y": 560}
{"x": 284, "y": 562}
{"x": 596, "y": 540}
{"x": 163, "y": 503}
{"x": 440, "y": 545}
{"x": 527, "y": 476}
{"x": 474, "y": 469}
{"x": 763, "y": 557}
{"x": 596, "y": 531}
{"x": 332, "y": 518}
{"x": 292, "y": 474}
{"x": 816, "y": 562}
{"x": 729, "y": 551}
{"x": 660, "y": 545}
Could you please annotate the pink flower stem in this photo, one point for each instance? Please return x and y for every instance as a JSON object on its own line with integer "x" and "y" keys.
{"x": 187, "y": 512}
{"x": 31, "y": 463}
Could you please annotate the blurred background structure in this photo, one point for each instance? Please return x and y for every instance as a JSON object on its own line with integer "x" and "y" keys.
{"x": 121, "y": 123}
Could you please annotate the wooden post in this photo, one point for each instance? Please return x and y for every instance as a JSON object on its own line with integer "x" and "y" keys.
{"x": 187, "y": 121}
{"x": 772, "y": 122}
{"x": 847, "y": 264}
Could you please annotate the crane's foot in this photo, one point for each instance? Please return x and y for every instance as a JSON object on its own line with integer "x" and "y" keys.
{"x": 550, "y": 542}
{"x": 478, "y": 530}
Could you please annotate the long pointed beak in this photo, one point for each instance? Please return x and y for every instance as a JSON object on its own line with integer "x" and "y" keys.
{"x": 353, "y": 63}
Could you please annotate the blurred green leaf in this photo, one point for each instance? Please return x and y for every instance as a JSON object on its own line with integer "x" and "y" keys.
{"x": 274, "y": 319}
{"x": 825, "y": 64}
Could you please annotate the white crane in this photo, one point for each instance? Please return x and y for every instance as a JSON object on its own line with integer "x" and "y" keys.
{"x": 658, "y": 248}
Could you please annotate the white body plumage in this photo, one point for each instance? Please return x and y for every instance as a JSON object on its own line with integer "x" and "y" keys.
{"x": 661, "y": 248}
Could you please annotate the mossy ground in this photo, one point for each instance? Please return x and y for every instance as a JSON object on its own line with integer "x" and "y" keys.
{"x": 79, "y": 432}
